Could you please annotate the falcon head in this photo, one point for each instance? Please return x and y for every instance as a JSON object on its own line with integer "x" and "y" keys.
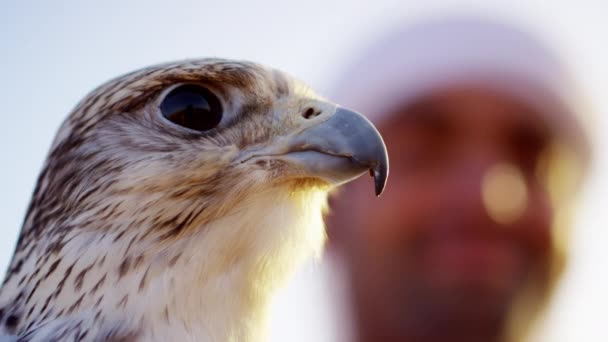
{"x": 176, "y": 197}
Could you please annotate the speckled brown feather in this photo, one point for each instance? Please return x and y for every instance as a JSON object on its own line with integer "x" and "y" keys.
{"x": 124, "y": 192}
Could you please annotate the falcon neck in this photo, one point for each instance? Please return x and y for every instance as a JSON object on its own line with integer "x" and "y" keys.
{"x": 217, "y": 283}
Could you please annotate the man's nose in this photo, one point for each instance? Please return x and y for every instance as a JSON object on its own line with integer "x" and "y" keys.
{"x": 493, "y": 185}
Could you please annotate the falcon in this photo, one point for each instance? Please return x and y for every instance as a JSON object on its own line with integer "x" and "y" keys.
{"x": 175, "y": 200}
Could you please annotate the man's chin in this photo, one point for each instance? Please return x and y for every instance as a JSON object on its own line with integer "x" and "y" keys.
{"x": 456, "y": 311}
{"x": 473, "y": 265}
{"x": 473, "y": 304}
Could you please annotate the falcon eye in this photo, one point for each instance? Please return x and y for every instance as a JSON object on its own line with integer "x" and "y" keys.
{"x": 193, "y": 107}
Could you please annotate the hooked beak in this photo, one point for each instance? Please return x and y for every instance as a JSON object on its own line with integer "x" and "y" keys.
{"x": 336, "y": 150}
{"x": 341, "y": 149}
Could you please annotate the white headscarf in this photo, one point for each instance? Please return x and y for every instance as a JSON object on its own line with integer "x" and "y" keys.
{"x": 416, "y": 60}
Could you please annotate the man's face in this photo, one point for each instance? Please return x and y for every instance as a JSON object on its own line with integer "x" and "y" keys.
{"x": 436, "y": 243}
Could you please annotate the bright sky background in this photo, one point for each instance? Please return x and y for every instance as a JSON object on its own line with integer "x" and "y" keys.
{"x": 54, "y": 52}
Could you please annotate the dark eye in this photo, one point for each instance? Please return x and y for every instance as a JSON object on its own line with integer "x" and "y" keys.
{"x": 193, "y": 107}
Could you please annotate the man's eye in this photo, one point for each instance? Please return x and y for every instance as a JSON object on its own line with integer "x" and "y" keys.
{"x": 528, "y": 146}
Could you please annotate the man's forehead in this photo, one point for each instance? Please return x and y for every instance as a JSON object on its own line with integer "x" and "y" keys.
{"x": 469, "y": 109}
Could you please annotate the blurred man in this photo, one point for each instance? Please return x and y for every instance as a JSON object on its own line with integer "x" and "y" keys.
{"x": 485, "y": 146}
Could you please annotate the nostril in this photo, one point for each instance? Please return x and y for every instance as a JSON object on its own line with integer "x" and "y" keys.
{"x": 310, "y": 113}
{"x": 12, "y": 321}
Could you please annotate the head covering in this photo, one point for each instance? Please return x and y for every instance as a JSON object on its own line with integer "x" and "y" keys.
{"x": 415, "y": 60}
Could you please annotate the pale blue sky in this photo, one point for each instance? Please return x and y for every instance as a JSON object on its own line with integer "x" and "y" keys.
{"x": 54, "y": 52}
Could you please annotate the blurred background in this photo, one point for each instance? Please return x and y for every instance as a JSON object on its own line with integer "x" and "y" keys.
{"x": 53, "y": 53}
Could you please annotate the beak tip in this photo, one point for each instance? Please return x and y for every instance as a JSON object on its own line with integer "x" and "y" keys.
{"x": 380, "y": 175}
